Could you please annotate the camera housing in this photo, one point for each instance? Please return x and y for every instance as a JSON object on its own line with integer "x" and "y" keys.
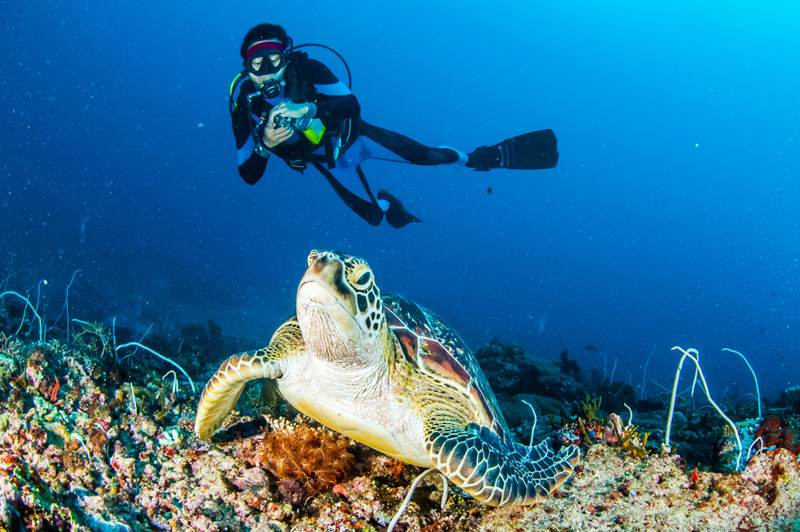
{"x": 312, "y": 128}
{"x": 283, "y": 121}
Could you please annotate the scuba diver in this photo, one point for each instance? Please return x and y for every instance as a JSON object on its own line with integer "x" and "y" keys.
{"x": 294, "y": 108}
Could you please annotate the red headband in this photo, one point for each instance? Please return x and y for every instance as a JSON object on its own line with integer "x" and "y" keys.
{"x": 278, "y": 47}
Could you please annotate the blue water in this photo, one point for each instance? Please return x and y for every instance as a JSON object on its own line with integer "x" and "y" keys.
{"x": 671, "y": 218}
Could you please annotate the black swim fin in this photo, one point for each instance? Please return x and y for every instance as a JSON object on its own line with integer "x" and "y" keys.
{"x": 532, "y": 151}
{"x": 397, "y": 216}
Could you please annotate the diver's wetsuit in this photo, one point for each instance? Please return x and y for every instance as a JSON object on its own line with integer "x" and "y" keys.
{"x": 348, "y": 140}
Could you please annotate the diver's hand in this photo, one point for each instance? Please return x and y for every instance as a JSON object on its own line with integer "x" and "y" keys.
{"x": 274, "y": 136}
{"x": 291, "y": 110}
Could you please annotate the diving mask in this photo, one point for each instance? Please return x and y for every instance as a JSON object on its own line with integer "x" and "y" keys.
{"x": 266, "y": 57}
{"x": 269, "y": 63}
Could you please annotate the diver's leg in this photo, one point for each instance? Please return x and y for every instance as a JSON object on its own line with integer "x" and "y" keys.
{"x": 396, "y": 214}
{"x": 408, "y": 150}
{"x": 536, "y": 150}
{"x": 369, "y": 209}
{"x": 373, "y": 210}
{"x": 347, "y": 177}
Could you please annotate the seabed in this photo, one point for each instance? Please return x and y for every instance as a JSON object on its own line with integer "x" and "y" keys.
{"x": 92, "y": 443}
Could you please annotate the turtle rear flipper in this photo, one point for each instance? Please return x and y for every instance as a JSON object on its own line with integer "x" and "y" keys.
{"x": 496, "y": 471}
{"x": 223, "y": 390}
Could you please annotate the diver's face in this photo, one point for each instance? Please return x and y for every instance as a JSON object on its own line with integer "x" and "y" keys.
{"x": 273, "y": 64}
{"x": 267, "y": 63}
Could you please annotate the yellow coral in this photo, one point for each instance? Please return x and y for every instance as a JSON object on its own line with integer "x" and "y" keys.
{"x": 591, "y": 409}
{"x": 727, "y": 431}
{"x": 633, "y": 441}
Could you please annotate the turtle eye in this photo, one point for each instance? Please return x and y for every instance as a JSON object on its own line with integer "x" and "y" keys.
{"x": 364, "y": 279}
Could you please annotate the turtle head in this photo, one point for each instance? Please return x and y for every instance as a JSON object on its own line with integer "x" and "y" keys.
{"x": 339, "y": 306}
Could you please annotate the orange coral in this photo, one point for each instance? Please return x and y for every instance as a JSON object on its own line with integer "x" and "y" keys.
{"x": 396, "y": 468}
{"x": 340, "y": 490}
{"x": 317, "y": 459}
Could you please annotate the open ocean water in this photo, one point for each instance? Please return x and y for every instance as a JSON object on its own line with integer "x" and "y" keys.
{"x": 671, "y": 218}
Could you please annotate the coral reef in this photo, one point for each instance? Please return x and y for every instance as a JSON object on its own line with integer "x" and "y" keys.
{"x": 614, "y": 492}
{"x": 570, "y": 367}
{"x": 791, "y": 397}
{"x": 776, "y": 433}
{"x": 513, "y": 371}
{"x": 90, "y": 443}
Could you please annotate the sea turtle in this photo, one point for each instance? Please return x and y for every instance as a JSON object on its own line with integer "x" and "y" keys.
{"x": 392, "y": 375}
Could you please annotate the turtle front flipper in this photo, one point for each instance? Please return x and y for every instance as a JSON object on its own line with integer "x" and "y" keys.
{"x": 223, "y": 390}
{"x": 496, "y": 471}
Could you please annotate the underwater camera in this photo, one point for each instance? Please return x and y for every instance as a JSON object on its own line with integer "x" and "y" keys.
{"x": 312, "y": 128}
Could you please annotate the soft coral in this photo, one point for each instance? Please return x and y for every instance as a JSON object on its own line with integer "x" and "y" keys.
{"x": 307, "y": 460}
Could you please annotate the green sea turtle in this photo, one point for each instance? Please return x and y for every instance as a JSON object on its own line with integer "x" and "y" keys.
{"x": 392, "y": 375}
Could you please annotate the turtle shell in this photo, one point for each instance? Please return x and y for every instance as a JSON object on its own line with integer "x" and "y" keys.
{"x": 433, "y": 347}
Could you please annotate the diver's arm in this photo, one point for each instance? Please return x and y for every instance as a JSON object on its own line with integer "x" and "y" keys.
{"x": 335, "y": 102}
{"x": 331, "y": 108}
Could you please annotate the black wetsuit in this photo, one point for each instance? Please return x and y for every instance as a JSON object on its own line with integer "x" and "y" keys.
{"x": 347, "y": 141}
